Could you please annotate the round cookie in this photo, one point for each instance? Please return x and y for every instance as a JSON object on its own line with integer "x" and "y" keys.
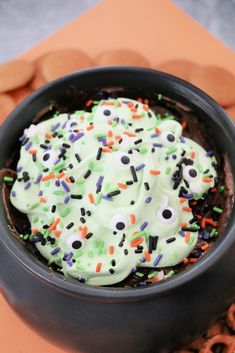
{"x": 219, "y": 83}
{"x": 231, "y": 112}
{"x": 179, "y": 68}
{"x": 21, "y": 93}
{"x": 121, "y": 57}
{"x": 15, "y": 74}
{"x": 7, "y": 104}
{"x": 62, "y": 62}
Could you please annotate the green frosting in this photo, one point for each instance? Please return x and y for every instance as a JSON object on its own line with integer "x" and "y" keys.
{"x": 108, "y": 191}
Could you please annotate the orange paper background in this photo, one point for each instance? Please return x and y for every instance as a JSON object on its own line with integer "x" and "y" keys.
{"x": 157, "y": 29}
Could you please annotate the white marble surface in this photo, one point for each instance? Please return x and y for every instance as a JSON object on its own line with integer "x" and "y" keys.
{"x": 23, "y": 23}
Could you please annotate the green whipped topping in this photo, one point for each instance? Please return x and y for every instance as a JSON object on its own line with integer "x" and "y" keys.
{"x": 108, "y": 191}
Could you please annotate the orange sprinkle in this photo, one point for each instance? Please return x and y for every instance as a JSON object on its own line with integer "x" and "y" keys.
{"x": 48, "y": 135}
{"x": 108, "y": 103}
{"x": 60, "y": 175}
{"x": 89, "y": 102}
{"x": 147, "y": 256}
{"x": 32, "y": 151}
{"x": 193, "y": 154}
{"x": 48, "y": 177}
{"x": 42, "y": 199}
{"x": 80, "y": 228}
{"x": 211, "y": 222}
{"x": 157, "y": 130}
{"x": 146, "y": 107}
{"x": 35, "y": 230}
{"x": 54, "y": 224}
{"x": 130, "y": 134}
{"x": 137, "y": 116}
{"x": 110, "y": 122}
{"x": 140, "y": 100}
{"x": 133, "y": 110}
{"x": 68, "y": 180}
{"x": 98, "y": 267}
{"x": 193, "y": 203}
{"x": 110, "y": 133}
{"x": 122, "y": 186}
{"x": 154, "y": 172}
{"x": 186, "y": 209}
{"x": 84, "y": 231}
{"x": 91, "y": 198}
{"x": 130, "y": 104}
{"x": 186, "y": 261}
{"x": 199, "y": 216}
{"x": 90, "y": 127}
{"x": 203, "y": 223}
{"x": 213, "y": 189}
{"x": 118, "y": 137}
{"x": 110, "y": 143}
{"x": 136, "y": 242}
{"x": 57, "y": 233}
{"x": 205, "y": 246}
{"x": 146, "y": 101}
{"x": 184, "y": 125}
{"x": 183, "y": 224}
{"x": 132, "y": 219}
{"x": 187, "y": 237}
{"x": 81, "y": 117}
{"x": 207, "y": 180}
{"x": 192, "y": 260}
{"x": 182, "y": 199}
{"x": 108, "y": 150}
{"x": 111, "y": 250}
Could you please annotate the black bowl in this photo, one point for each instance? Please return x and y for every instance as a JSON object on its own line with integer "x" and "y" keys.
{"x": 156, "y": 318}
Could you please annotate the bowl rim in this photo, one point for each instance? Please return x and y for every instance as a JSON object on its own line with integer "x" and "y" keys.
{"x": 108, "y": 294}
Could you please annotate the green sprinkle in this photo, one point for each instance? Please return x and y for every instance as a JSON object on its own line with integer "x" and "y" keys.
{"x": 114, "y": 123}
{"x": 58, "y": 192}
{"x": 168, "y": 170}
{"x": 98, "y": 198}
{"x": 153, "y": 274}
{"x": 101, "y": 134}
{"x": 191, "y": 240}
{"x": 221, "y": 189}
{"x": 21, "y": 236}
{"x": 214, "y": 160}
{"x": 159, "y": 96}
{"x": 78, "y": 253}
{"x": 26, "y": 237}
{"x": 8, "y": 179}
{"x": 33, "y": 205}
{"x": 47, "y": 183}
{"x": 65, "y": 212}
{"x": 213, "y": 233}
{"x": 45, "y": 208}
{"x": 90, "y": 118}
{"x": 139, "y": 274}
{"x": 143, "y": 150}
{"x": 35, "y": 219}
{"x": 217, "y": 209}
{"x": 169, "y": 117}
{"x": 171, "y": 150}
{"x": 59, "y": 166}
{"x": 36, "y": 139}
{"x": 116, "y": 103}
{"x": 170, "y": 274}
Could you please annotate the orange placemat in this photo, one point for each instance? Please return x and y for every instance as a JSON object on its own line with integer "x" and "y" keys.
{"x": 157, "y": 29}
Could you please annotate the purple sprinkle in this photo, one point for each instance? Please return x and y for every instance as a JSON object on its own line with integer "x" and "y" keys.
{"x": 65, "y": 186}
{"x": 57, "y": 161}
{"x": 28, "y": 145}
{"x": 142, "y": 284}
{"x": 174, "y": 156}
{"x": 22, "y": 138}
{"x": 38, "y": 179}
{"x": 64, "y": 125}
{"x": 66, "y": 199}
{"x": 134, "y": 269}
{"x": 182, "y": 140}
{"x": 99, "y": 181}
{"x": 142, "y": 259}
{"x": 148, "y": 199}
{"x": 36, "y": 240}
{"x": 40, "y": 193}
{"x": 123, "y": 121}
{"x": 209, "y": 153}
{"x": 69, "y": 256}
{"x": 157, "y": 260}
{"x": 157, "y": 145}
{"x": 188, "y": 196}
{"x": 55, "y": 127}
{"x": 143, "y": 226}
{"x": 77, "y": 137}
{"x": 103, "y": 140}
{"x": 57, "y": 183}
{"x": 166, "y": 158}
{"x": 181, "y": 233}
{"x": 18, "y": 169}
{"x": 27, "y": 186}
{"x": 55, "y": 251}
{"x": 154, "y": 135}
{"x": 71, "y": 136}
{"x": 70, "y": 263}
{"x": 105, "y": 197}
{"x": 141, "y": 166}
{"x": 13, "y": 194}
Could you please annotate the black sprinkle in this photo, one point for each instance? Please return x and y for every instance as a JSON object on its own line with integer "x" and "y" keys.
{"x": 146, "y": 185}
{"x": 53, "y": 208}
{"x": 87, "y": 174}
{"x": 72, "y": 179}
{"x": 66, "y": 145}
{"x": 113, "y": 262}
{"x": 70, "y": 225}
{"x": 89, "y": 235}
{"x": 111, "y": 270}
{"x": 139, "y": 129}
{"x": 136, "y": 142}
{"x": 138, "y": 251}
{"x": 99, "y": 153}
{"x": 125, "y": 252}
{"x": 43, "y": 146}
{"x": 77, "y": 157}
{"x": 114, "y": 193}
{"x": 78, "y": 197}
{"x": 170, "y": 240}
{"x": 82, "y": 211}
{"x": 129, "y": 182}
{"x": 133, "y": 172}
{"x": 82, "y": 219}
{"x": 88, "y": 213}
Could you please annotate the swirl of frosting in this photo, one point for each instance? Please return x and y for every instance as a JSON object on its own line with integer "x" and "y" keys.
{"x": 108, "y": 191}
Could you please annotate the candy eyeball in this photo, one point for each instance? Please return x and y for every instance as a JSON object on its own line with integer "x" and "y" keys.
{"x": 105, "y": 112}
{"x": 49, "y": 158}
{"x": 119, "y": 222}
{"x": 72, "y": 124}
{"x": 167, "y": 215}
{"x": 167, "y": 138}
{"x": 190, "y": 173}
{"x": 75, "y": 241}
{"x": 123, "y": 160}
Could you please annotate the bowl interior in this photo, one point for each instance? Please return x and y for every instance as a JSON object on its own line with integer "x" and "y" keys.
{"x": 72, "y": 91}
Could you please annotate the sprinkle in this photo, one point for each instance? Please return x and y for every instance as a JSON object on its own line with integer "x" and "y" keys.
{"x": 207, "y": 180}
{"x": 122, "y": 186}
{"x": 87, "y": 174}
{"x": 221, "y": 189}
{"x": 65, "y": 212}
{"x": 89, "y": 235}
{"x": 27, "y": 186}
{"x": 193, "y": 154}
{"x": 78, "y": 158}
{"x": 213, "y": 233}
{"x": 114, "y": 193}
{"x": 144, "y": 225}
{"x": 209, "y": 153}
{"x": 54, "y": 224}
{"x": 132, "y": 219}
{"x": 89, "y": 102}
{"x": 133, "y": 172}
{"x": 66, "y": 199}
{"x": 157, "y": 145}
{"x": 186, "y": 209}
{"x": 48, "y": 177}
{"x": 148, "y": 199}
{"x": 171, "y": 150}
{"x": 211, "y": 222}
{"x": 77, "y": 137}
{"x": 139, "y": 167}
{"x": 28, "y": 145}
{"x": 91, "y": 198}
{"x": 13, "y": 194}
{"x": 157, "y": 260}
{"x": 137, "y": 116}
{"x": 76, "y": 197}
{"x": 42, "y": 199}
{"x": 98, "y": 267}
{"x": 184, "y": 125}
{"x": 111, "y": 250}
{"x": 217, "y": 210}
{"x": 70, "y": 225}
{"x": 65, "y": 186}
{"x": 154, "y": 172}
{"x": 205, "y": 246}
{"x": 8, "y": 179}
{"x": 170, "y": 240}
{"x": 146, "y": 185}
{"x": 136, "y": 142}
{"x": 84, "y": 232}
{"x": 136, "y": 242}
{"x": 187, "y": 237}
{"x": 55, "y": 127}
{"x": 55, "y": 251}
